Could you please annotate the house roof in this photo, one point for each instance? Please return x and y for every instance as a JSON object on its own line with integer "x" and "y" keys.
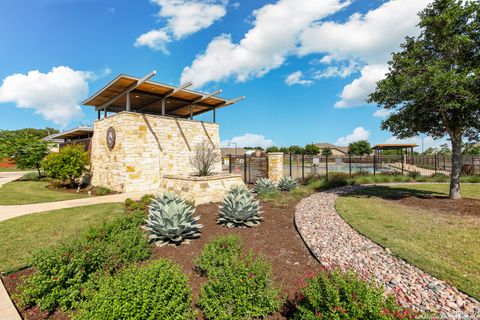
{"x": 332, "y": 146}
{"x": 70, "y": 134}
{"x": 146, "y": 96}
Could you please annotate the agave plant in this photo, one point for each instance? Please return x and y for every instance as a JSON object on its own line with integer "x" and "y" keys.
{"x": 264, "y": 185}
{"x": 287, "y": 183}
{"x": 170, "y": 220}
{"x": 240, "y": 209}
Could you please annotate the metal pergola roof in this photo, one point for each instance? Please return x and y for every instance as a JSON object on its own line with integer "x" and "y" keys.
{"x": 128, "y": 93}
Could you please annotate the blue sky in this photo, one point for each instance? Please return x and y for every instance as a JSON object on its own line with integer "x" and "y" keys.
{"x": 305, "y": 70}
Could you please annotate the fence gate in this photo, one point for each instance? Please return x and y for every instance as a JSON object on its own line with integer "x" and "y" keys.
{"x": 250, "y": 167}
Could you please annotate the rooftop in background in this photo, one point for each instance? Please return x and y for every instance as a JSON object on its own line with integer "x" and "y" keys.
{"x": 394, "y": 146}
{"x": 72, "y": 134}
{"x": 127, "y": 93}
{"x": 332, "y": 147}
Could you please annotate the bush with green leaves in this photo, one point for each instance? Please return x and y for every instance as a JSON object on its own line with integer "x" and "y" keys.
{"x": 239, "y": 209}
{"x": 142, "y": 204}
{"x": 334, "y": 294}
{"x": 243, "y": 289}
{"x": 264, "y": 185}
{"x": 287, "y": 183}
{"x": 171, "y": 221}
{"x": 61, "y": 271}
{"x": 68, "y": 165}
{"x": 337, "y": 180}
{"x": 158, "y": 290}
{"x": 219, "y": 253}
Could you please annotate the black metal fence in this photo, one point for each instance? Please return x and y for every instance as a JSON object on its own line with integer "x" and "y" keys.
{"x": 302, "y": 167}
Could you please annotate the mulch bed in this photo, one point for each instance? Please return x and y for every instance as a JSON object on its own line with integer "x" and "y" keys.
{"x": 276, "y": 239}
{"x": 465, "y": 206}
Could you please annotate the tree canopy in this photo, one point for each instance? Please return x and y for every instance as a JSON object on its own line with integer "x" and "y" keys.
{"x": 432, "y": 83}
{"x": 360, "y": 148}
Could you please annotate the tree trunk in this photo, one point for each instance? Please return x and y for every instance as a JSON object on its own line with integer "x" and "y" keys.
{"x": 38, "y": 169}
{"x": 456, "y": 168}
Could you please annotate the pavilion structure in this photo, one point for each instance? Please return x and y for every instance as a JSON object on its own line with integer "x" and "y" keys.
{"x": 145, "y": 138}
{"x": 403, "y": 149}
{"x": 141, "y": 95}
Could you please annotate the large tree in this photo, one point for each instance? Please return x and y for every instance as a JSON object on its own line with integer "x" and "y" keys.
{"x": 359, "y": 148}
{"x": 433, "y": 83}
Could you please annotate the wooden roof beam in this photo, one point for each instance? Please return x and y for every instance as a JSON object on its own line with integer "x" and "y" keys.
{"x": 198, "y": 100}
{"x": 126, "y": 91}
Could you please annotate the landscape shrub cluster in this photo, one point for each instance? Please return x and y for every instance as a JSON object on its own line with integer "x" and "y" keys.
{"x": 239, "y": 286}
{"x": 62, "y": 271}
{"x": 335, "y": 294}
{"x": 158, "y": 290}
{"x": 67, "y": 165}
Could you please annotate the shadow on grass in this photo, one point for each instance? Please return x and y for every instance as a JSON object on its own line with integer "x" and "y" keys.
{"x": 390, "y": 193}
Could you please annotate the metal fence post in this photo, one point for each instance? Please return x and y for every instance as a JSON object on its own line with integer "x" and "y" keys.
{"x": 350, "y": 164}
{"x": 303, "y": 167}
{"x": 245, "y": 168}
{"x": 374, "y": 165}
{"x": 435, "y": 164}
{"x": 290, "y": 164}
{"x": 402, "y": 164}
{"x": 229, "y": 163}
{"x": 326, "y": 167}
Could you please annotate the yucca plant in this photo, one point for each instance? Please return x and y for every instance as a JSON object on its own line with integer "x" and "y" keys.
{"x": 264, "y": 185}
{"x": 170, "y": 220}
{"x": 240, "y": 209}
{"x": 287, "y": 183}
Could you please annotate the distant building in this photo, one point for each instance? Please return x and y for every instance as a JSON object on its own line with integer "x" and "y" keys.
{"x": 336, "y": 150}
{"x": 79, "y": 135}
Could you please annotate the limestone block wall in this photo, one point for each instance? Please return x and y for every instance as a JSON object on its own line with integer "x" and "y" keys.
{"x": 147, "y": 147}
{"x": 201, "y": 189}
{"x": 275, "y": 166}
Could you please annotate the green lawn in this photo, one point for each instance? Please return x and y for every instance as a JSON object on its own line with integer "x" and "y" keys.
{"x": 14, "y": 169}
{"x": 22, "y": 235}
{"x": 25, "y": 192}
{"x": 443, "y": 244}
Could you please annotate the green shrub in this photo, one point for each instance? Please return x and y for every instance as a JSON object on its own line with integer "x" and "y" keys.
{"x": 156, "y": 291}
{"x": 344, "y": 295}
{"x": 61, "y": 271}
{"x": 242, "y": 290}
{"x": 336, "y": 180}
{"x": 101, "y": 191}
{"x": 470, "y": 179}
{"x": 131, "y": 205}
{"x": 414, "y": 174}
{"x": 30, "y": 176}
{"x": 68, "y": 165}
{"x": 219, "y": 253}
{"x": 287, "y": 183}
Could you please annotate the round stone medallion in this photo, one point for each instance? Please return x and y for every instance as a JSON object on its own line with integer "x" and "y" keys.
{"x": 111, "y": 136}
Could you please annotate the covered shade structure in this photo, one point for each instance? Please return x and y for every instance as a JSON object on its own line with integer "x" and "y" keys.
{"x": 128, "y": 93}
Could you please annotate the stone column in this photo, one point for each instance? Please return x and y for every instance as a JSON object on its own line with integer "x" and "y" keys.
{"x": 275, "y": 166}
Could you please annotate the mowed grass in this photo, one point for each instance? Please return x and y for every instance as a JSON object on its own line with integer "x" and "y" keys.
{"x": 26, "y": 192}
{"x": 442, "y": 244}
{"x": 20, "y": 236}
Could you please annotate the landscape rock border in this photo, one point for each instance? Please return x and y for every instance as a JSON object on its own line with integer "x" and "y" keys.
{"x": 335, "y": 243}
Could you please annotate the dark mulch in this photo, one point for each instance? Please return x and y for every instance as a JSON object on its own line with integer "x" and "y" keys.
{"x": 276, "y": 239}
{"x": 465, "y": 206}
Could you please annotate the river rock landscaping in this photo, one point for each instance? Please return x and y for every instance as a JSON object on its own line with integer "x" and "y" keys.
{"x": 335, "y": 243}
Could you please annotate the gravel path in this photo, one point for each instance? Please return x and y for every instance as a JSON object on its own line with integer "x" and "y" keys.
{"x": 334, "y": 242}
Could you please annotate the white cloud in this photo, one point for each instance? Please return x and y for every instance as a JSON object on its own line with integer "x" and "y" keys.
{"x": 341, "y": 71}
{"x": 382, "y": 113}
{"x": 249, "y": 140}
{"x": 183, "y": 18}
{"x": 358, "y": 133}
{"x": 274, "y": 36}
{"x": 55, "y": 95}
{"x": 369, "y": 39}
{"x": 355, "y": 93}
{"x": 296, "y": 78}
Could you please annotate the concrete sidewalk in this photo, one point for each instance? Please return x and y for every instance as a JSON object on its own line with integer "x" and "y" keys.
{"x": 6, "y": 177}
{"x": 12, "y": 211}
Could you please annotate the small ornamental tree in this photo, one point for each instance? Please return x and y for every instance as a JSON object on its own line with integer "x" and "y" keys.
{"x": 432, "y": 86}
{"x": 68, "y": 165}
{"x": 31, "y": 155}
{"x": 311, "y": 149}
{"x": 204, "y": 159}
{"x": 295, "y": 150}
{"x": 327, "y": 152}
{"x": 359, "y": 148}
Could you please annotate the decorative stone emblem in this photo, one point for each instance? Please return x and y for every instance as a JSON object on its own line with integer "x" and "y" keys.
{"x": 111, "y": 136}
